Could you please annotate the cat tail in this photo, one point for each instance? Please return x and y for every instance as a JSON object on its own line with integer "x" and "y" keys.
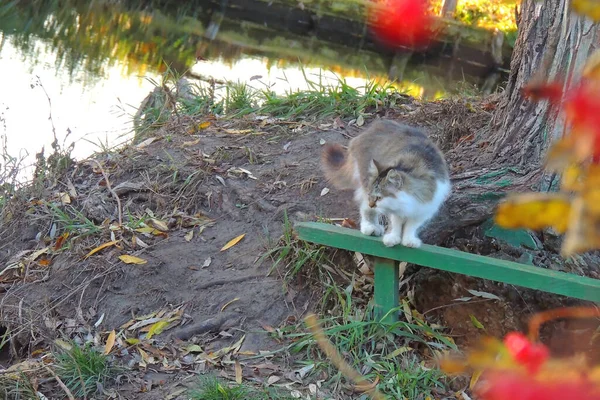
{"x": 337, "y": 166}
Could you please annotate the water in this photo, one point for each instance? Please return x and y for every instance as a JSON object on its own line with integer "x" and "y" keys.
{"x": 89, "y": 66}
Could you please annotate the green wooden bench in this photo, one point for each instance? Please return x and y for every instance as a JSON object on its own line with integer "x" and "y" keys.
{"x": 387, "y": 258}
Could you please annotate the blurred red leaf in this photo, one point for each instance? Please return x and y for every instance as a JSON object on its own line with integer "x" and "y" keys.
{"x": 405, "y": 23}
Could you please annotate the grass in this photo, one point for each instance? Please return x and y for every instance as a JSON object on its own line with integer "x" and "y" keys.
{"x": 236, "y": 99}
{"x": 291, "y": 253}
{"x": 386, "y": 353}
{"x": 83, "y": 369}
{"x": 383, "y": 352}
{"x": 211, "y": 388}
{"x": 17, "y": 388}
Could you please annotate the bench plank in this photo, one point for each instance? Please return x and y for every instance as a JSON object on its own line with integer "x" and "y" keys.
{"x": 454, "y": 261}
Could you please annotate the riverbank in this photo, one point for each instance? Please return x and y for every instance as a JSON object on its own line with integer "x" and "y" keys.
{"x": 175, "y": 256}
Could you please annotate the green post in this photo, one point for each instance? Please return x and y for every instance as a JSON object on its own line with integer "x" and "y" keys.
{"x": 386, "y": 289}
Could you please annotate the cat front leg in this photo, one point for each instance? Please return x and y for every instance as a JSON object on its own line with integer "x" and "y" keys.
{"x": 369, "y": 220}
{"x": 409, "y": 234}
{"x": 394, "y": 235}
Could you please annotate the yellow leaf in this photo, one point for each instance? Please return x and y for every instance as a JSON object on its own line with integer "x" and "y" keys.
{"x": 157, "y": 328}
{"x": 233, "y": 242}
{"x": 110, "y": 342}
{"x": 143, "y": 354}
{"x": 158, "y": 224}
{"x": 133, "y": 341}
{"x": 571, "y": 178}
{"x": 189, "y": 236}
{"x": 238, "y": 372}
{"x": 228, "y": 303}
{"x": 64, "y": 345}
{"x": 589, "y": 8}
{"x": 127, "y": 259}
{"x": 101, "y": 247}
{"x": 65, "y": 198}
{"x": 203, "y": 125}
{"x": 238, "y": 131}
{"x": 534, "y": 211}
{"x": 475, "y": 378}
{"x": 191, "y": 143}
{"x": 149, "y": 229}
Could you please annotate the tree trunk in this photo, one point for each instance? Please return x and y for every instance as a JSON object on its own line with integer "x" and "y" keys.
{"x": 553, "y": 43}
{"x": 448, "y": 8}
{"x": 507, "y": 156}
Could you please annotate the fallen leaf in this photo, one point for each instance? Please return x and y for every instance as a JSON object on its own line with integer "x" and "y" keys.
{"x": 101, "y": 247}
{"x": 238, "y": 131}
{"x": 145, "y": 143}
{"x": 157, "y": 328}
{"x": 65, "y": 198}
{"x": 238, "y": 372}
{"x": 399, "y": 351}
{"x": 133, "y": 341}
{"x": 476, "y": 322}
{"x": 360, "y": 121}
{"x": 273, "y": 379}
{"x": 110, "y": 342}
{"x": 63, "y": 345}
{"x": 233, "y": 242}
{"x": 44, "y": 262}
{"x": 189, "y": 236}
{"x": 191, "y": 143}
{"x": 324, "y": 191}
{"x": 204, "y": 125}
{"x": 475, "y": 378}
{"x": 158, "y": 224}
{"x": 484, "y": 295}
{"x": 207, "y": 262}
{"x": 60, "y": 241}
{"x": 194, "y": 348}
{"x": 228, "y": 303}
{"x": 348, "y": 223}
{"x": 127, "y": 259}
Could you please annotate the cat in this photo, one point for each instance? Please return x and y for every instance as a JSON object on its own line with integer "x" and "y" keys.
{"x": 395, "y": 170}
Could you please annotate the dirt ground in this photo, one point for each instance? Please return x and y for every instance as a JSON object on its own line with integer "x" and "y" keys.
{"x": 221, "y": 179}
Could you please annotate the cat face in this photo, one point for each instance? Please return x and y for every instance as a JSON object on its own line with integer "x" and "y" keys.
{"x": 383, "y": 183}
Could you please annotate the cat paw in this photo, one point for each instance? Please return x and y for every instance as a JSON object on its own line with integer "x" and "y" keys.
{"x": 390, "y": 239}
{"x": 369, "y": 229}
{"x": 412, "y": 242}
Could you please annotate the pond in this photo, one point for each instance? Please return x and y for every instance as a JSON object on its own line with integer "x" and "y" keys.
{"x": 77, "y": 71}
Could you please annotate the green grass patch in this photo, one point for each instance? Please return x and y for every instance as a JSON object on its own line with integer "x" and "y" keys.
{"x": 83, "y": 369}
{"x": 211, "y": 388}
{"x": 17, "y": 388}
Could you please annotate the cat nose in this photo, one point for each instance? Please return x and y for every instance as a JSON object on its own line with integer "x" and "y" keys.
{"x": 371, "y": 203}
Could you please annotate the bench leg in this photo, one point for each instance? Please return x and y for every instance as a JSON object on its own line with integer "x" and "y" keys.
{"x": 386, "y": 289}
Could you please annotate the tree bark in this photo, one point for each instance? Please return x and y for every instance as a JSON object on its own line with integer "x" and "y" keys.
{"x": 553, "y": 43}
{"x": 449, "y": 8}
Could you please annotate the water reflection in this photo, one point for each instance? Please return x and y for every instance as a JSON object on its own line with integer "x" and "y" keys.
{"x": 91, "y": 58}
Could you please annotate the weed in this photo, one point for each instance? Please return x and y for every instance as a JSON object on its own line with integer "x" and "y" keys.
{"x": 211, "y": 388}
{"x": 380, "y": 351}
{"x": 17, "y": 388}
{"x": 70, "y": 220}
{"x": 83, "y": 369}
{"x": 292, "y": 251}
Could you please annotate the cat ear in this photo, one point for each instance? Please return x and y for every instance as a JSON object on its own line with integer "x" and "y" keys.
{"x": 373, "y": 168}
{"x": 395, "y": 178}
